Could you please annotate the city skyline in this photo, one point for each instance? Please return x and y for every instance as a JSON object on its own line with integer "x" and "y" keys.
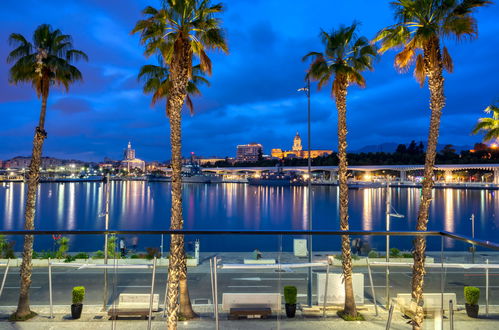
{"x": 253, "y": 94}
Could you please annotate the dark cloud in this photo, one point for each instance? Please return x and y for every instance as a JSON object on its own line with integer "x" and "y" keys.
{"x": 70, "y": 105}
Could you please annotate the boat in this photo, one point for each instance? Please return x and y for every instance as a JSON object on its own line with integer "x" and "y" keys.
{"x": 278, "y": 178}
{"x": 93, "y": 178}
{"x": 196, "y": 178}
{"x": 157, "y": 178}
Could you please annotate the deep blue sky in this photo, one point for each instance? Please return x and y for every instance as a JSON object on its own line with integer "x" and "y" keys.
{"x": 253, "y": 93}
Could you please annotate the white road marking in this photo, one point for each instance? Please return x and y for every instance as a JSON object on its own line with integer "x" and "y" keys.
{"x": 249, "y": 286}
{"x": 269, "y": 279}
{"x": 133, "y": 286}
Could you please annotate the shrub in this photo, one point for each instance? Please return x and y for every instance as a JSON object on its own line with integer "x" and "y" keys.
{"x": 290, "y": 293}
{"x": 63, "y": 247}
{"x": 134, "y": 256}
{"x": 3, "y": 244}
{"x": 81, "y": 255}
{"x": 111, "y": 247}
{"x": 98, "y": 255}
{"x": 407, "y": 255}
{"x": 373, "y": 254}
{"x": 471, "y": 294}
{"x": 394, "y": 252}
{"x": 47, "y": 254}
{"x": 35, "y": 255}
{"x": 9, "y": 251}
{"x": 152, "y": 252}
{"x": 78, "y": 294}
{"x": 69, "y": 258}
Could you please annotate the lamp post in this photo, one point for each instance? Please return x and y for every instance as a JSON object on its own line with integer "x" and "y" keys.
{"x": 309, "y": 192}
{"x": 108, "y": 192}
{"x": 472, "y": 236}
{"x": 389, "y": 214}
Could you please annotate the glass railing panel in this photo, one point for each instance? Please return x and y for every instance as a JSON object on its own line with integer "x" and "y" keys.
{"x": 249, "y": 264}
{"x": 471, "y": 279}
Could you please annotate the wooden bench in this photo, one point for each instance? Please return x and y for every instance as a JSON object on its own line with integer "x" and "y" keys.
{"x": 115, "y": 312}
{"x": 432, "y": 303}
{"x": 251, "y": 304}
{"x": 134, "y": 304}
{"x": 249, "y": 312}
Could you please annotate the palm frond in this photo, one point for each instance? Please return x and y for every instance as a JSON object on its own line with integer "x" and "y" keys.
{"x": 419, "y": 70}
{"x": 45, "y": 62}
{"x": 447, "y": 61}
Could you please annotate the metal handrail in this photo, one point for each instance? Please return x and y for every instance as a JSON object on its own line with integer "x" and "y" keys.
{"x": 466, "y": 239}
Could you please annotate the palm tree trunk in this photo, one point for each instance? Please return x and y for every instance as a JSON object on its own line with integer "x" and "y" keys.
{"x": 433, "y": 69}
{"x": 23, "y": 309}
{"x": 180, "y": 69}
{"x": 185, "y": 301}
{"x": 350, "y": 308}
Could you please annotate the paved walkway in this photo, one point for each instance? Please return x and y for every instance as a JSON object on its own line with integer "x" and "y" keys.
{"x": 95, "y": 319}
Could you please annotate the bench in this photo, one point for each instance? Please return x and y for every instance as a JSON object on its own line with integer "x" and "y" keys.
{"x": 432, "y": 302}
{"x": 249, "y": 312}
{"x": 259, "y": 261}
{"x": 251, "y": 304}
{"x": 134, "y": 304}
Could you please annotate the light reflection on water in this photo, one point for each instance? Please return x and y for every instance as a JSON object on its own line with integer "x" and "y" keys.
{"x": 140, "y": 205}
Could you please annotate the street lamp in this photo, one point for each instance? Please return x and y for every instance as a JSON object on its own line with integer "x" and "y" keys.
{"x": 388, "y": 215}
{"x": 107, "y": 188}
{"x": 472, "y": 248}
{"x": 309, "y": 191}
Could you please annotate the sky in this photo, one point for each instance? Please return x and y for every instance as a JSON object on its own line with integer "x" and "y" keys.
{"x": 252, "y": 95}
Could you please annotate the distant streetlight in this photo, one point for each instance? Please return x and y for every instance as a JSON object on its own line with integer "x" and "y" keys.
{"x": 309, "y": 189}
{"x": 472, "y": 248}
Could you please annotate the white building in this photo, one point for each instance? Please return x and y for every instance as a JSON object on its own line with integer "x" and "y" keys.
{"x": 130, "y": 162}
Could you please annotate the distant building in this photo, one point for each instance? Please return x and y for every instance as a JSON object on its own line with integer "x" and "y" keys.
{"x": 48, "y": 163}
{"x": 130, "y": 162}
{"x": 251, "y": 152}
{"x": 298, "y": 152}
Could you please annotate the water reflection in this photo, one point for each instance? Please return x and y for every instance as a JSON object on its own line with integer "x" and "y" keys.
{"x": 142, "y": 205}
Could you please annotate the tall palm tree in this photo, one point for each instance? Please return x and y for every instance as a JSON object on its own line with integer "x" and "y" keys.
{"x": 420, "y": 29}
{"x": 489, "y": 125}
{"x": 179, "y": 31}
{"x": 43, "y": 63}
{"x": 157, "y": 81}
{"x": 345, "y": 57}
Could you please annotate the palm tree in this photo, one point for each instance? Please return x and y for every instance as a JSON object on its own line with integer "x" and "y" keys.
{"x": 489, "y": 125}
{"x": 156, "y": 81}
{"x": 345, "y": 57}
{"x": 43, "y": 63}
{"x": 421, "y": 26}
{"x": 179, "y": 31}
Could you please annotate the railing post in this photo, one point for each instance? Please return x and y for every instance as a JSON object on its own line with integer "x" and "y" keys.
{"x": 325, "y": 290}
{"x": 372, "y": 285}
{"x": 151, "y": 300}
{"x": 390, "y": 314}
{"x": 215, "y": 278}
{"x": 451, "y": 314}
{"x": 487, "y": 288}
{"x": 212, "y": 287}
{"x": 50, "y": 289}
{"x": 5, "y": 276}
